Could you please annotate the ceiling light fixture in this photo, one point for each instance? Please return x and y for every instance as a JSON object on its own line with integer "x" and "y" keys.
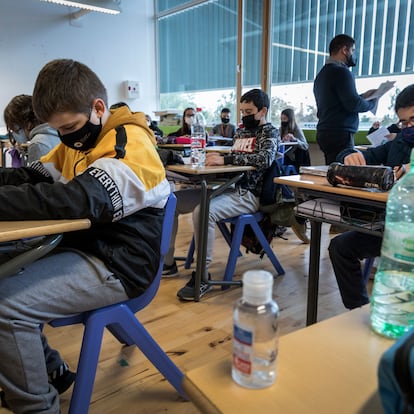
{"x": 109, "y": 7}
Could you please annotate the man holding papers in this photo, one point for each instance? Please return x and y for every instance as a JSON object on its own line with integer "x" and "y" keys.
{"x": 337, "y": 100}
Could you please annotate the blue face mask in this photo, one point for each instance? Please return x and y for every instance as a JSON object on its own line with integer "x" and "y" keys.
{"x": 408, "y": 135}
{"x": 18, "y": 136}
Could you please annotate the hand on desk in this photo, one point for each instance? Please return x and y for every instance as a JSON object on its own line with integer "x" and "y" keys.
{"x": 214, "y": 158}
{"x": 356, "y": 158}
{"x": 400, "y": 170}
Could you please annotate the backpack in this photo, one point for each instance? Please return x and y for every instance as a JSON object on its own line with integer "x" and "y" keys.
{"x": 270, "y": 230}
{"x": 277, "y": 204}
{"x": 277, "y": 200}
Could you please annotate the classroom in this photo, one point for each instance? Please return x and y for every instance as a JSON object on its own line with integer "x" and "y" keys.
{"x": 162, "y": 58}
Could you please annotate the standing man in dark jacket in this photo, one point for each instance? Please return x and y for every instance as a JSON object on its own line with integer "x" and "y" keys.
{"x": 347, "y": 249}
{"x": 337, "y": 100}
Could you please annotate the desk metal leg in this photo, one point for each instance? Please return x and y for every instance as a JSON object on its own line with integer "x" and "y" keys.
{"x": 201, "y": 270}
{"x": 202, "y": 241}
{"x": 313, "y": 282}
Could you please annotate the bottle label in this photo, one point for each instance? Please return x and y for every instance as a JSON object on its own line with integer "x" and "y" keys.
{"x": 398, "y": 245}
{"x": 198, "y": 142}
{"x": 242, "y": 350}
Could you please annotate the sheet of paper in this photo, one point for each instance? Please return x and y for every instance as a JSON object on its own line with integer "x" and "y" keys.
{"x": 379, "y": 136}
{"x": 374, "y": 109}
{"x": 382, "y": 89}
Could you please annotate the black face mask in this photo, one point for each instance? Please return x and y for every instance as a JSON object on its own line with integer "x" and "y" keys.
{"x": 408, "y": 135}
{"x": 225, "y": 120}
{"x": 284, "y": 124}
{"x": 84, "y": 138}
{"x": 249, "y": 122}
{"x": 351, "y": 61}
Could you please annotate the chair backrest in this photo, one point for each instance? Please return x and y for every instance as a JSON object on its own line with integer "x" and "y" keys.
{"x": 141, "y": 301}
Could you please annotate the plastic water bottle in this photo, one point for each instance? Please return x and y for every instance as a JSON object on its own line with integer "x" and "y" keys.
{"x": 392, "y": 299}
{"x": 198, "y": 140}
{"x": 255, "y": 332}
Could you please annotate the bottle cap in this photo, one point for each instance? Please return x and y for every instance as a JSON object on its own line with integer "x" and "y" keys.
{"x": 257, "y": 287}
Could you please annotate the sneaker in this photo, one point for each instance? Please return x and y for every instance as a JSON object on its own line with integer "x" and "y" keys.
{"x": 62, "y": 378}
{"x": 300, "y": 230}
{"x": 188, "y": 291}
{"x": 170, "y": 270}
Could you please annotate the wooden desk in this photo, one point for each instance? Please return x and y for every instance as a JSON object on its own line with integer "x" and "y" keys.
{"x": 15, "y": 230}
{"x": 202, "y": 175}
{"x": 327, "y": 368}
{"x": 222, "y": 149}
{"x": 312, "y": 186}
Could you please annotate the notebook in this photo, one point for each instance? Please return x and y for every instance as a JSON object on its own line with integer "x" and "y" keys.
{"x": 320, "y": 170}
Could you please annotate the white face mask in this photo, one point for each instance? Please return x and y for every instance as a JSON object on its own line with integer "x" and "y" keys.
{"x": 189, "y": 120}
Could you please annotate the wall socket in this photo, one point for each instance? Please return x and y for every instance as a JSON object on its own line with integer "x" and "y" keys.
{"x": 131, "y": 89}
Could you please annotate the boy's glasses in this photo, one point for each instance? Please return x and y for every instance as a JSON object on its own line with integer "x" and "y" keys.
{"x": 406, "y": 124}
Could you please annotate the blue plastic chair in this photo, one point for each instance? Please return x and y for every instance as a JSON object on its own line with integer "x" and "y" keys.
{"x": 285, "y": 169}
{"x": 121, "y": 321}
{"x": 366, "y": 270}
{"x": 234, "y": 241}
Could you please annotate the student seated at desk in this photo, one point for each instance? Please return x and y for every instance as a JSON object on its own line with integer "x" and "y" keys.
{"x": 296, "y": 155}
{"x": 256, "y": 145}
{"x": 106, "y": 168}
{"x": 186, "y": 121}
{"x": 24, "y": 126}
{"x": 225, "y": 128}
{"x": 348, "y": 249}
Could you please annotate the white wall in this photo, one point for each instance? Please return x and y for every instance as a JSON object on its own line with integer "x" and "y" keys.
{"x": 117, "y": 47}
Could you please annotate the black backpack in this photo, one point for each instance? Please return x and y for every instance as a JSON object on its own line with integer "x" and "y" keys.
{"x": 270, "y": 230}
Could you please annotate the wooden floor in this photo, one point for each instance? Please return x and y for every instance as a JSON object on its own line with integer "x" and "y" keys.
{"x": 194, "y": 333}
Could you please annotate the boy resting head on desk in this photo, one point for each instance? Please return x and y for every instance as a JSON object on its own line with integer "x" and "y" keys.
{"x": 106, "y": 169}
{"x": 347, "y": 249}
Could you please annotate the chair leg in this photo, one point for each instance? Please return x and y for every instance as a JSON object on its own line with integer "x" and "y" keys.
{"x": 152, "y": 350}
{"x": 91, "y": 345}
{"x": 227, "y": 235}
{"x": 234, "y": 252}
{"x": 190, "y": 254}
{"x": 87, "y": 365}
{"x": 266, "y": 246}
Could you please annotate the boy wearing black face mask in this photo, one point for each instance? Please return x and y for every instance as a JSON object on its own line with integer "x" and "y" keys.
{"x": 225, "y": 129}
{"x": 347, "y": 249}
{"x": 337, "y": 100}
{"x": 255, "y": 144}
{"x": 106, "y": 169}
